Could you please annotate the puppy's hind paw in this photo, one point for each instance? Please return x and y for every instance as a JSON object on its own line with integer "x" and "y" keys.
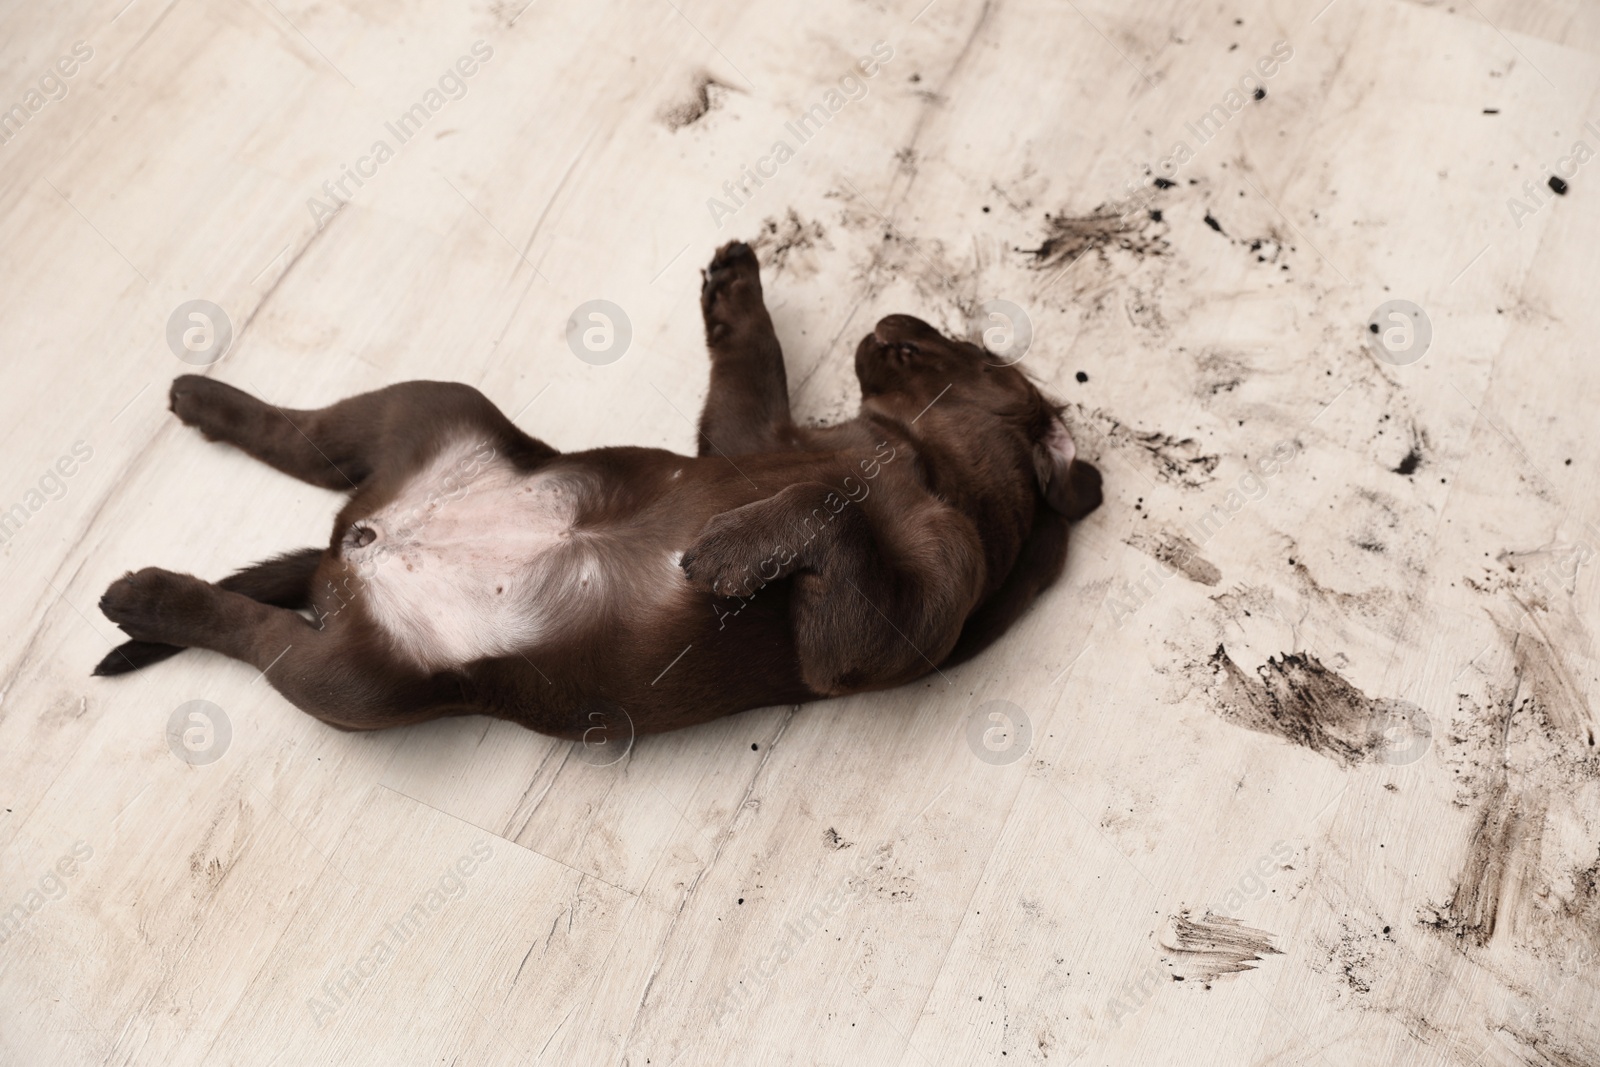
{"x": 734, "y": 255}
{"x": 731, "y": 291}
{"x": 156, "y": 605}
{"x": 210, "y": 407}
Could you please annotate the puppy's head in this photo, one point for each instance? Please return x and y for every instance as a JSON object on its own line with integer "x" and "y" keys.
{"x": 980, "y": 422}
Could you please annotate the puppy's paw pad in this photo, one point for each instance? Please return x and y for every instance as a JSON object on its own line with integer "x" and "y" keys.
{"x": 732, "y": 285}
{"x": 734, "y": 254}
{"x": 206, "y": 405}
{"x": 148, "y": 603}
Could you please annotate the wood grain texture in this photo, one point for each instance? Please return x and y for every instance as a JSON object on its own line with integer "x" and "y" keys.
{"x": 1302, "y": 538}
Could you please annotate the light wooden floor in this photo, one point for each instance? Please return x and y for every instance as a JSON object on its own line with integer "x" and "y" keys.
{"x": 1324, "y": 792}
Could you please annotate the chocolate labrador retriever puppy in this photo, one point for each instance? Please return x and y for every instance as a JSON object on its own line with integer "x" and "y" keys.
{"x": 476, "y": 570}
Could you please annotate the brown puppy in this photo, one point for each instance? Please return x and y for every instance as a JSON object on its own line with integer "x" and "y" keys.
{"x": 476, "y": 570}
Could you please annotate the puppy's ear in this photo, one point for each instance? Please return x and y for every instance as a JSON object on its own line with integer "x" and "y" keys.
{"x": 1069, "y": 485}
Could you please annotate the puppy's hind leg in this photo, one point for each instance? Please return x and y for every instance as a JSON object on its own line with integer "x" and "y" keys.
{"x": 747, "y": 407}
{"x": 343, "y": 445}
{"x": 334, "y": 674}
{"x": 283, "y": 581}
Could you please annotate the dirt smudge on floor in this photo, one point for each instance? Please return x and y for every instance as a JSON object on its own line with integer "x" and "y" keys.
{"x": 1409, "y": 462}
{"x": 1382, "y": 607}
{"x": 706, "y": 95}
{"x": 1544, "y": 674}
{"x": 781, "y": 240}
{"x": 1179, "y": 460}
{"x": 1416, "y": 454}
{"x": 1070, "y": 237}
{"x": 1298, "y": 699}
{"x": 1178, "y": 552}
{"x": 1542, "y": 1050}
{"x": 1200, "y": 950}
{"x": 1359, "y": 956}
{"x": 1244, "y": 601}
{"x": 1218, "y": 371}
{"x": 1521, "y": 752}
{"x": 1143, "y": 309}
{"x": 1473, "y": 910}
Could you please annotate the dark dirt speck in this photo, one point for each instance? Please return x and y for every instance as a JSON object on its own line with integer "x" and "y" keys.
{"x": 1558, "y": 186}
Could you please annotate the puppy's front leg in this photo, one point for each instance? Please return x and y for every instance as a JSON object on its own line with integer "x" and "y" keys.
{"x": 873, "y": 606}
{"x": 740, "y": 551}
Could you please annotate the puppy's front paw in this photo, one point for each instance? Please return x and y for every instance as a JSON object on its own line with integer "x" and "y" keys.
{"x": 155, "y": 604}
{"x": 723, "y": 562}
{"x": 711, "y": 568}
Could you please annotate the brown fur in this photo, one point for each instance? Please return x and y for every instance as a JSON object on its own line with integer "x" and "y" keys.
{"x": 815, "y": 562}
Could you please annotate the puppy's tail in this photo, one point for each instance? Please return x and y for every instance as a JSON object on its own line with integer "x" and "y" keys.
{"x": 134, "y": 655}
{"x": 282, "y": 581}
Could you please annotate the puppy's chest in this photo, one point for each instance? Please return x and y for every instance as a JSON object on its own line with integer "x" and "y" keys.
{"x": 473, "y": 558}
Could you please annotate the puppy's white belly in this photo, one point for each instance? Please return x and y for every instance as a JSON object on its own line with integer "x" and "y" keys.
{"x": 473, "y": 559}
